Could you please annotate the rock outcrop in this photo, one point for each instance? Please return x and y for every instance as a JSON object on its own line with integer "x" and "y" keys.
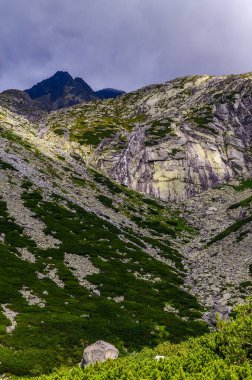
{"x": 197, "y": 134}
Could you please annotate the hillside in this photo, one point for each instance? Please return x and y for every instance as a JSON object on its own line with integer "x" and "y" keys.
{"x": 76, "y": 252}
{"x": 225, "y": 354}
{"x": 125, "y": 219}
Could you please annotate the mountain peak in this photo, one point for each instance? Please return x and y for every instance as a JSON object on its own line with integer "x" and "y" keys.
{"x": 62, "y": 73}
{"x": 61, "y": 90}
{"x": 63, "y": 76}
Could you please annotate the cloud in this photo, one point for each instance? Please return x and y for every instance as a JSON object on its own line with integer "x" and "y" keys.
{"x": 124, "y": 44}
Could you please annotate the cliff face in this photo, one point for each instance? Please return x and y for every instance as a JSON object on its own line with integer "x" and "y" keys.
{"x": 170, "y": 141}
{"x": 198, "y": 135}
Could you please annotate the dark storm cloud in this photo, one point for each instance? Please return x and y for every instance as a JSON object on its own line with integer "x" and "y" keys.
{"x": 122, "y": 43}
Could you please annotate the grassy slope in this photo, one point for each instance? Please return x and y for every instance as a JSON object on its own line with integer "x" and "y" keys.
{"x": 48, "y": 337}
{"x": 225, "y": 354}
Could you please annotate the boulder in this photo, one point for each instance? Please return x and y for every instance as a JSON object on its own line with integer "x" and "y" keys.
{"x": 99, "y": 352}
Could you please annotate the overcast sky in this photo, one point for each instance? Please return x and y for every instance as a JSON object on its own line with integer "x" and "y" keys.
{"x": 124, "y": 44}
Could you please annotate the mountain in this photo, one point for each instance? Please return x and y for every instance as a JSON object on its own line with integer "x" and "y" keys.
{"x": 127, "y": 220}
{"x": 108, "y": 93}
{"x": 61, "y": 90}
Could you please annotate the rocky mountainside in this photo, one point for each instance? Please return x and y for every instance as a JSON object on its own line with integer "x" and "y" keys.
{"x": 147, "y": 194}
{"x": 192, "y": 134}
{"x": 170, "y": 141}
{"x": 77, "y": 250}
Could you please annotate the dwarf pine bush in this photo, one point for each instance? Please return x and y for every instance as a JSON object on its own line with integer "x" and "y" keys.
{"x": 225, "y": 354}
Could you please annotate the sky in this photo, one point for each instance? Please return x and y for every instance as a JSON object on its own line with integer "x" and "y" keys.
{"x": 124, "y": 44}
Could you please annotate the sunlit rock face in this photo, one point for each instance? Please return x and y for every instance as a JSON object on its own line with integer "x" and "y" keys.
{"x": 196, "y": 166}
{"x": 171, "y": 141}
{"x": 197, "y": 135}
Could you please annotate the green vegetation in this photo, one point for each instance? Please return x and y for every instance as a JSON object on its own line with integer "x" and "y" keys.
{"x": 79, "y": 181}
{"x": 244, "y": 203}
{"x": 236, "y": 226}
{"x": 221, "y": 355}
{"x": 94, "y": 137}
{"x": 111, "y": 186}
{"x": 106, "y": 201}
{"x": 27, "y": 184}
{"x": 223, "y": 97}
{"x": 9, "y": 135}
{"x": 59, "y": 131}
{"x": 95, "y": 122}
{"x": 203, "y": 118}
{"x": 73, "y": 317}
{"x": 242, "y": 235}
{"x": 245, "y": 284}
{"x": 175, "y": 151}
{"x": 130, "y": 242}
{"x": 233, "y": 228}
{"x": 6, "y": 165}
{"x": 158, "y": 130}
{"x": 244, "y": 184}
{"x": 250, "y": 269}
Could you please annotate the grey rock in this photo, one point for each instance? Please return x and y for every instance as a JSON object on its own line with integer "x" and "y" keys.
{"x": 99, "y": 352}
{"x": 204, "y": 146}
{"x": 223, "y": 312}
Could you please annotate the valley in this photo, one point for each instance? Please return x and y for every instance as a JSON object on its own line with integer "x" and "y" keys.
{"x": 126, "y": 219}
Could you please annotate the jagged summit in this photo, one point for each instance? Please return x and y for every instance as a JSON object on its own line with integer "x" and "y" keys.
{"x": 54, "y": 86}
{"x": 62, "y": 90}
